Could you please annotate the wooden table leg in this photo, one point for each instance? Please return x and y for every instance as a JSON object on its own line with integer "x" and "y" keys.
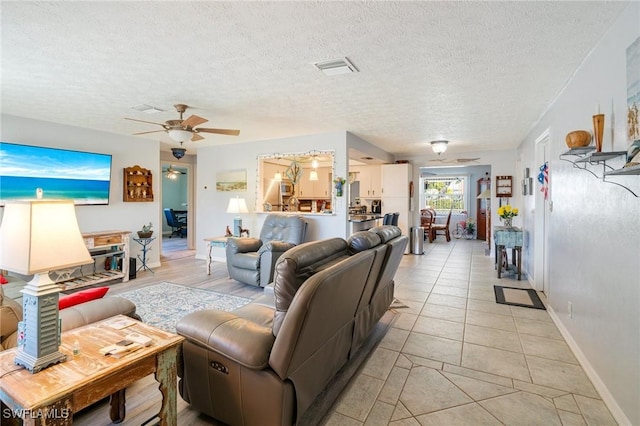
{"x": 166, "y": 366}
{"x": 209, "y": 246}
{"x": 499, "y": 254}
{"x": 117, "y": 403}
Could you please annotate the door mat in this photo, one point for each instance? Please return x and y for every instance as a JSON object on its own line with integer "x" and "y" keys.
{"x": 525, "y": 297}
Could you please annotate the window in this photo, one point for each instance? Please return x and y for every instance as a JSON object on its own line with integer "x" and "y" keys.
{"x": 445, "y": 193}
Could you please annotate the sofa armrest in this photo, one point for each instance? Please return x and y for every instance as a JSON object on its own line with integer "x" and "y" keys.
{"x": 244, "y": 341}
{"x": 96, "y": 310}
{"x": 275, "y": 245}
{"x": 242, "y": 245}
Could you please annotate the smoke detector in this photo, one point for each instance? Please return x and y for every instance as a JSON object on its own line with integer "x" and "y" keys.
{"x": 336, "y": 67}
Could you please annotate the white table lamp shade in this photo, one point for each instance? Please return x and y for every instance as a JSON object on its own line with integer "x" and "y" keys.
{"x": 237, "y": 205}
{"x": 40, "y": 236}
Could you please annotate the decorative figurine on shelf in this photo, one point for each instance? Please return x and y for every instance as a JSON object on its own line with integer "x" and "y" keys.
{"x": 243, "y": 232}
{"x": 339, "y": 182}
{"x": 146, "y": 231}
{"x": 228, "y": 232}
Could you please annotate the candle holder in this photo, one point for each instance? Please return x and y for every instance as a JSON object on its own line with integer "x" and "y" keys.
{"x": 598, "y": 130}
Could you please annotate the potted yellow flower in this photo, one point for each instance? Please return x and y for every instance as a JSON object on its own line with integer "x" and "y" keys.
{"x": 507, "y": 213}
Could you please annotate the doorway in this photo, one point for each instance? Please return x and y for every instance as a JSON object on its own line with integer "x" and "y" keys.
{"x": 177, "y": 194}
{"x": 541, "y": 216}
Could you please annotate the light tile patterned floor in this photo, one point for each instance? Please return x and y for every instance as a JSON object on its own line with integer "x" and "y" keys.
{"x": 456, "y": 357}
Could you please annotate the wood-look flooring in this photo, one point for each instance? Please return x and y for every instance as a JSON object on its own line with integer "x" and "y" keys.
{"x": 144, "y": 398}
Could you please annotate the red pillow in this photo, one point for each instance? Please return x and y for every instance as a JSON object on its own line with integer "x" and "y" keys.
{"x": 81, "y": 297}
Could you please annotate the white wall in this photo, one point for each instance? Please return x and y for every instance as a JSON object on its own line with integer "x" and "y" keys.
{"x": 594, "y": 229}
{"x": 212, "y": 218}
{"x": 126, "y": 151}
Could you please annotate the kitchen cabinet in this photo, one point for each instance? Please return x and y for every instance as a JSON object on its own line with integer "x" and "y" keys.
{"x": 396, "y": 180}
{"x": 315, "y": 189}
{"x": 370, "y": 178}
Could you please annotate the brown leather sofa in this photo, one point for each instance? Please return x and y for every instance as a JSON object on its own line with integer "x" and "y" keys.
{"x": 266, "y": 362}
{"x": 72, "y": 317}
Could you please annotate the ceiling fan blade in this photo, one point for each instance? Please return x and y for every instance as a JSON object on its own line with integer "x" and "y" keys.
{"x": 196, "y": 137}
{"x": 193, "y": 121}
{"x": 152, "y": 131}
{"x": 219, "y": 131}
{"x": 143, "y": 121}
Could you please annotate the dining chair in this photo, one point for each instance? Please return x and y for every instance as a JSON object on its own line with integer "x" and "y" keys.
{"x": 427, "y": 218}
{"x": 442, "y": 228}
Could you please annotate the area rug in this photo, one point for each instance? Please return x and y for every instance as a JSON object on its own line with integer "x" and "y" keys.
{"x": 163, "y": 305}
{"x": 525, "y": 297}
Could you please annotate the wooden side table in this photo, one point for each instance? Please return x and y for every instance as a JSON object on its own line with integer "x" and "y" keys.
{"x": 211, "y": 243}
{"x": 505, "y": 238}
{"x": 52, "y": 395}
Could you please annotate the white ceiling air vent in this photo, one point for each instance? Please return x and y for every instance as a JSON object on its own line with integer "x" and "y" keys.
{"x": 147, "y": 108}
{"x": 336, "y": 66}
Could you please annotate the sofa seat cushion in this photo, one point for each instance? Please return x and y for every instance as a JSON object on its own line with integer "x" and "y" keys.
{"x": 245, "y": 260}
{"x": 82, "y": 296}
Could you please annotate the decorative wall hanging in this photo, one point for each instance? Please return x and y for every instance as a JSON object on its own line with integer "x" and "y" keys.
{"x": 633, "y": 91}
{"x": 543, "y": 178}
{"x": 231, "y": 180}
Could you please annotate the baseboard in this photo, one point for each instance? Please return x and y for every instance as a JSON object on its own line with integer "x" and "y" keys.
{"x": 602, "y": 389}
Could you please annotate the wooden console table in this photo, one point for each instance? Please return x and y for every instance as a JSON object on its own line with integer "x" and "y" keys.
{"x": 52, "y": 395}
{"x": 110, "y": 252}
{"x": 505, "y": 238}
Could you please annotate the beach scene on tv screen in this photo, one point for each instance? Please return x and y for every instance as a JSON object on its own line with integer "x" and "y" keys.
{"x": 83, "y": 177}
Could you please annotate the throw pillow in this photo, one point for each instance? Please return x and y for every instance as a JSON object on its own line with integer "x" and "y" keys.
{"x": 81, "y": 297}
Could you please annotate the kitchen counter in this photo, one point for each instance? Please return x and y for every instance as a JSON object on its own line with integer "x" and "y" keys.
{"x": 359, "y": 218}
{"x": 362, "y": 222}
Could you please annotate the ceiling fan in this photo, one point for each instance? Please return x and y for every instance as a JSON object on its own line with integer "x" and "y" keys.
{"x": 172, "y": 173}
{"x": 183, "y": 130}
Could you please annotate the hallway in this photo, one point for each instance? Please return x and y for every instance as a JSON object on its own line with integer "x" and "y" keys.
{"x": 456, "y": 357}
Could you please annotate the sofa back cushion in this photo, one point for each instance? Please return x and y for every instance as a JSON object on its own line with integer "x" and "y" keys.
{"x": 315, "y": 338}
{"x": 393, "y": 238}
{"x": 359, "y": 242}
{"x": 281, "y": 227}
{"x": 296, "y": 265}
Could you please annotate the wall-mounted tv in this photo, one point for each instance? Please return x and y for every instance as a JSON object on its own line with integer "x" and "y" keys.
{"x": 83, "y": 177}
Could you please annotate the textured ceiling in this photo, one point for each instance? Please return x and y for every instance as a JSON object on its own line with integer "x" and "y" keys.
{"x": 477, "y": 73}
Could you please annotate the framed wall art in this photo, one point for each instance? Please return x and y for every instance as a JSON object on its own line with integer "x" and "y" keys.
{"x": 231, "y": 180}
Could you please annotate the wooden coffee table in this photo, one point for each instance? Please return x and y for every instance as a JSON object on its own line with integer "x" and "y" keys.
{"x": 85, "y": 378}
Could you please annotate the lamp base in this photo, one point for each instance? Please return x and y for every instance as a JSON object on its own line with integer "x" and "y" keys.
{"x": 237, "y": 226}
{"x": 34, "y": 364}
{"x": 39, "y": 332}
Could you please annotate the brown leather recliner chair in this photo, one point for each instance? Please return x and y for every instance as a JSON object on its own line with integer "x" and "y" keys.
{"x": 265, "y": 363}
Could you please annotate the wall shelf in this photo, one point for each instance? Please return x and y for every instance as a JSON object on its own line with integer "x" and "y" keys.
{"x": 586, "y": 158}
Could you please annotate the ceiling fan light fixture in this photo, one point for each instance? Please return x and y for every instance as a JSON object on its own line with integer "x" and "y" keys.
{"x": 180, "y": 135}
{"x": 178, "y": 152}
{"x": 439, "y": 146}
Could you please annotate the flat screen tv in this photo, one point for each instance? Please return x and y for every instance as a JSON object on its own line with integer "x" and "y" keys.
{"x": 83, "y": 177}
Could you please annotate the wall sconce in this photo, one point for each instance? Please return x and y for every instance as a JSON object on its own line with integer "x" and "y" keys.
{"x": 37, "y": 237}
{"x": 439, "y": 146}
{"x": 237, "y": 205}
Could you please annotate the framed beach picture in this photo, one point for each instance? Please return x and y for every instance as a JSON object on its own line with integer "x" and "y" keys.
{"x": 231, "y": 180}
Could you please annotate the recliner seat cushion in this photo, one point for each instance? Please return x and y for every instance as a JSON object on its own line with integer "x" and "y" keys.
{"x": 246, "y": 260}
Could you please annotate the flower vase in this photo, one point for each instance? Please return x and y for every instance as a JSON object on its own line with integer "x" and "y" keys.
{"x": 508, "y": 221}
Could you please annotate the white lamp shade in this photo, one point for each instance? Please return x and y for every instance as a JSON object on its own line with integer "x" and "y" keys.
{"x": 180, "y": 135}
{"x": 277, "y": 177}
{"x": 41, "y": 236}
{"x": 237, "y": 205}
{"x": 313, "y": 175}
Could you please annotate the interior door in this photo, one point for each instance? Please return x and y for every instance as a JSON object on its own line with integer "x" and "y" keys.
{"x": 481, "y": 209}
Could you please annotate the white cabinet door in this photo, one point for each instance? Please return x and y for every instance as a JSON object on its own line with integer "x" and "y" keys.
{"x": 395, "y": 180}
{"x": 322, "y": 187}
{"x": 375, "y": 175}
{"x": 370, "y": 180}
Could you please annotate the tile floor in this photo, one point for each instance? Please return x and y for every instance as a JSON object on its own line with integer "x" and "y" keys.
{"x": 455, "y": 357}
